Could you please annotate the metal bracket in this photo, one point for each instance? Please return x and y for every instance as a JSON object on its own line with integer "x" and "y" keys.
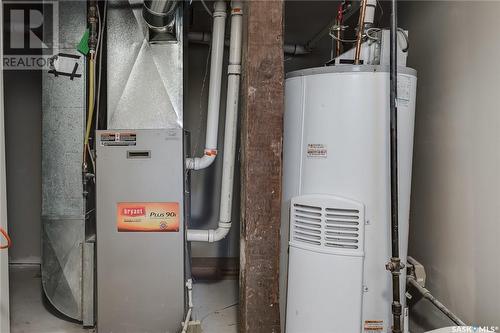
{"x": 417, "y": 271}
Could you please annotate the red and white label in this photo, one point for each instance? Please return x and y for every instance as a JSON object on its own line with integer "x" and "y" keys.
{"x": 134, "y": 211}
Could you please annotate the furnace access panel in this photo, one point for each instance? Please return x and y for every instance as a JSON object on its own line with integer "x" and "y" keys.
{"x": 140, "y": 231}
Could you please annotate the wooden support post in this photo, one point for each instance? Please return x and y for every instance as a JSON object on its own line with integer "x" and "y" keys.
{"x": 262, "y": 133}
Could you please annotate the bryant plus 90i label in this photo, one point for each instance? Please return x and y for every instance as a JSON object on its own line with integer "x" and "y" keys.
{"x": 148, "y": 216}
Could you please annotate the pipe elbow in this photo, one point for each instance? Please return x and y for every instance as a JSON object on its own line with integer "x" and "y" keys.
{"x": 219, "y": 234}
{"x": 209, "y": 236}
{"x": 198, "y": 163}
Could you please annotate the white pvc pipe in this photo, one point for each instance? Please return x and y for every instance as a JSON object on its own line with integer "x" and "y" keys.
{"x": 295, "y": 49}
{"x": 205, "y": 38}
{"x": 214, "y": 89}
{"x": 230, "y": 134}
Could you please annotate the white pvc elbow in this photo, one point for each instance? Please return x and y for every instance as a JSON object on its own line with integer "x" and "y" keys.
{"x": 198, "y": 163}
{"x": 211, "y": 235}
{"x": 230, "y": 134}
{"x": 214, "y": 90}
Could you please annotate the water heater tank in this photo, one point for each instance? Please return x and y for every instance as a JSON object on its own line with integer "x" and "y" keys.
{"x": 336, "y": 196}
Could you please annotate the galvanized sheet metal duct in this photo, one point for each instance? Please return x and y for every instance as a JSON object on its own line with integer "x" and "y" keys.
{"x": 144, "y": 80}
{"x": 159, "y": 14}
{"x": 63, "y": 204}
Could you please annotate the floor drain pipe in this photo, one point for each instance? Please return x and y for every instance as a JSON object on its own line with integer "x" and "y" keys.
{"x": 230, "y": 133}
{"x": 395, "y": 265}
{"x": 219, "y": 26}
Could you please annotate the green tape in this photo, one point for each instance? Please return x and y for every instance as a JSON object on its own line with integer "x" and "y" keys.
{"x": 83, "y": 45}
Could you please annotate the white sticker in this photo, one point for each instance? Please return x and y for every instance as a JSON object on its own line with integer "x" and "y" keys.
{"x": 317, "y": 150}
{"x": 374, "y": 325}
{"x": 404, "y": 88}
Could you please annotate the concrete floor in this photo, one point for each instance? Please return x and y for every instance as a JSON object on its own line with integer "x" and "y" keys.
{"x": 216, "y": 305}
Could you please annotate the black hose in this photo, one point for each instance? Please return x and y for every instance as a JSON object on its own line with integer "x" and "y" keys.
{"x": 395, "y": 265}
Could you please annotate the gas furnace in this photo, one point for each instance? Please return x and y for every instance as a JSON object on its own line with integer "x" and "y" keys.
{"x": 140, "y": 231}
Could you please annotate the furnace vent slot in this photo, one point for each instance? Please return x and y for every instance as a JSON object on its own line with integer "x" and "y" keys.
{"x": 138, "y": 154}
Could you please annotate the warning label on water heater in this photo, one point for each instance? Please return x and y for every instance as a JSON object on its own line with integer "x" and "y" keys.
{"x": 374, "y": 325}
{"x": 148, "y": 216}
{"x": 317, "y": 150}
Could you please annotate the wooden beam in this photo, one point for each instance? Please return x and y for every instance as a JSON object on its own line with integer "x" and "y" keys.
{"x": 262, "y": 133}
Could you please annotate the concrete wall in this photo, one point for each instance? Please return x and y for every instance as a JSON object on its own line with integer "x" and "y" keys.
{"x": 455, "y": 220}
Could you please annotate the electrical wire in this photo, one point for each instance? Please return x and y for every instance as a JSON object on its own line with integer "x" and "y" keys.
{"x": 91, "y": 97}
{"x": 206, "y": 8}
{"x": 218, "y": 310}
{"x": 342, "y": 40}
{"x": 6, "y": 236}
{"x": 92, "y": 160}
{"x": 99, "y": 47}
{"x": 368, "y": 33}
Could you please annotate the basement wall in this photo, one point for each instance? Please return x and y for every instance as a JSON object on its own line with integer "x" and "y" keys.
{"x": 455, "y": 220}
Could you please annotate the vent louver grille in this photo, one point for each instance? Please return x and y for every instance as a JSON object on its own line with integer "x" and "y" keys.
{"x": 327, "y": 222}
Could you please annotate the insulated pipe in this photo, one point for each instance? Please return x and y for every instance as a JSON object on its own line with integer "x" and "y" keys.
{"x": 371, "y": 5}
{"x": 159, "y": 14}
{"x": 219, "y": 25}
{"x": 230, "y": 135}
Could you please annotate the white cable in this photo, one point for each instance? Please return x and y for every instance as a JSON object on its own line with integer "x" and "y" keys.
{"x": 92, "y": 160}
{"x": 206, "y": 8}
{"x": 189, "y": 286}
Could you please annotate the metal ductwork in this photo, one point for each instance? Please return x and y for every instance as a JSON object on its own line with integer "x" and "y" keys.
{"x": 160, "y": 14}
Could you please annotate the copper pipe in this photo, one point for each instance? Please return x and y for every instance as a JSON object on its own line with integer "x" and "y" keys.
{"x": 340, "y": 17}
{"x": 359, "y": 37}
{"x": 339, "y": 44}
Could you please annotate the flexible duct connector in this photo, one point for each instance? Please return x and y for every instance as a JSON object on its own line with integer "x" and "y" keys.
{"x": 230, "y": 133}
{"x": 159, "y": 14}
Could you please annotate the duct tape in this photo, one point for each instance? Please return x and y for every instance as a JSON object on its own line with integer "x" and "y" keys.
{"x": 234, "y": 69}
{"x": 237, "y": 11}
{"x": 65, "y": 64}
{"x": 211, "y": 152}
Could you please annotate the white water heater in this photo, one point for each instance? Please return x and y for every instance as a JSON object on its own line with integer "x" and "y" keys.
{"x": 336, "y": 196}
